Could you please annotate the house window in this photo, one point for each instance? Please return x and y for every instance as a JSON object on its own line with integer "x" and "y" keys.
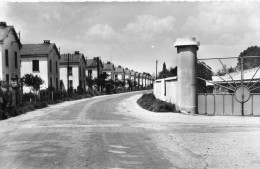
{"x": 7, "y": 78}
{"x": 56, "y": 67}
{"x": 6, "y": 58}
{"x": 35, "y": 65}
{"x": 50, "y": 82}
{"x": 15, "y": 60}
{"x": 71, "y": 84}
{"x": 79, "y": 72}
{"x": 116, "y": 77}
{"x": 57, "y": 83}
{"x": 50, "y": 66}
{"x": 90, "y": 73}
{"x": 70, "y": 71}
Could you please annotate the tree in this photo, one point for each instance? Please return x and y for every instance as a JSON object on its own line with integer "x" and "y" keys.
{"x": 167, "y": 73}
{"x": 250, "y": 62}
{"x": 90, "y": 82}
{"x": 130, "y": 83}
{"x": 224, "y": 70}
{"x": 173, "y": 71}
{"x": 205, "y": 73}
{"x": 101, "y": 81}
{"x": 33, "y": 82}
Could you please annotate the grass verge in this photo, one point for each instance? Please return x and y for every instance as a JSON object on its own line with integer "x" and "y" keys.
{"x": 149, "y": 102}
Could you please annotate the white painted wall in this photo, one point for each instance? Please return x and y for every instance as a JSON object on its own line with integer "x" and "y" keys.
{"x": 74, "y": 77}
{"x": 54, "y": 58}
{"x": 127, "y": 76}
{"x": 26, "y": 68}
{"x": 12, "y": 46}
{"x": 44, "y": 69}
{"x": 171, "y": 86}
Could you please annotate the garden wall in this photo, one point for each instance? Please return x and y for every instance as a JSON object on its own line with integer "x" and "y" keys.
{"x": 167, "y": 90}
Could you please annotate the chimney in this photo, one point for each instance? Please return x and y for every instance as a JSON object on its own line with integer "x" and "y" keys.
{"x": 46, "y": 41}
{"x": 76, "y": 52}
{"x": 108, "y": 62}
{"x": 2, "y": 24}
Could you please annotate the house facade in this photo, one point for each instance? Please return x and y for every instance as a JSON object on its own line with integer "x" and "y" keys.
{"x": 109, "y": 68}
{"x": 132, "y": 75}
{"x": 119, "y": 73}
{"x": 73, "y": 71}
{"x": 144, "y": 79}
{"x": 43, "y": 60}
{"x": 93, "y": 67}
{"x": 127, "y": 73}
{"x": 10, "y": 47}
{"x": 140, "y": 80}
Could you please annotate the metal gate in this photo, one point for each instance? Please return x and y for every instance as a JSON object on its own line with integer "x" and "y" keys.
{"x": 240, "y": 98}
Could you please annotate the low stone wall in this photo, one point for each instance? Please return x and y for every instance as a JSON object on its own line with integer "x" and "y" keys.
{"x": 167, "y": 90}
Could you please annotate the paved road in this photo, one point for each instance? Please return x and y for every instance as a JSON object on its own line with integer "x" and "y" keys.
{"x": 113, "y": 132}
{"x": 89, "y": 134}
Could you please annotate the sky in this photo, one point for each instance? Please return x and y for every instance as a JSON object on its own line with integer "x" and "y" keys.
{"x": 136, "y": 34}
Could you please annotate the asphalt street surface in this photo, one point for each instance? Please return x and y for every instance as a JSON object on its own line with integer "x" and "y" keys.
{"x": 89, "y": 134}
{"x": 112, "y": 132}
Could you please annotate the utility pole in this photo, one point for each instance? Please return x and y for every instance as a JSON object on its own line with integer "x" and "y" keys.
{"x": 97, "y": 58}
{"x": 156, "y": 69}
{"x": 68, "y": 65}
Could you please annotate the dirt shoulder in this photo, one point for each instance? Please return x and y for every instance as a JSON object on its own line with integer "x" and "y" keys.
{"x": 201, "y": 141}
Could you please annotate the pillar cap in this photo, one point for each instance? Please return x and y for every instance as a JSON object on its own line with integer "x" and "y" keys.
{"x": 186, "y": 42}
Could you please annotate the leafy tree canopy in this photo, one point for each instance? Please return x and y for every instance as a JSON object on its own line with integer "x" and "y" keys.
{"x": 33, "y": 81}
{"x": 250, "y": 62}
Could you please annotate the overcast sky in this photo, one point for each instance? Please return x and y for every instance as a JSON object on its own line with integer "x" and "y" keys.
{"x": 136, "y": 34}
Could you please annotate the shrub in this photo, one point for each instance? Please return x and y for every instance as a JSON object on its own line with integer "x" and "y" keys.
{"x": 149, "y": 102}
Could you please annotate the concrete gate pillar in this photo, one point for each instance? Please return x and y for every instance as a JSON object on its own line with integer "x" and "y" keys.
{"x": 187, "y": 74}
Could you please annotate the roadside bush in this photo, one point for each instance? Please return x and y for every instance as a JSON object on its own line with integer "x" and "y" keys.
{"x": 149, "y": 102}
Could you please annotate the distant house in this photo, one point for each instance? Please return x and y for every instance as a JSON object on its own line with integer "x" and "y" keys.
{"x": 119, "y": 73}
{"x": 127, "y": 73}
{"x": 93, "y": 65}
{"x": 73, "y": 71}
{"x": 137, "y": 77}
{"x": 10, "y": 46}
{"x": 220, "y": 84}
{"x": 132, "y": 75}
{"x": 109, "y": 68}
{"x": 140, "y": 80}
{"x": 144, "y": 79}
{"x": 43, "y": 60}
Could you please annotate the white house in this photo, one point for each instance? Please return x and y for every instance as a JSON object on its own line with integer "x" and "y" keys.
{"x": 92, "y": 67}
{"x": 43, "y": 60}
{"x": 140, "y": 79}
{"x": 109, "y": 68}
{"x": 127, "y": 73}
{"x": 119, "y": 73}
{"x": 73, "y": 71}
{"x": 10, "y": 46}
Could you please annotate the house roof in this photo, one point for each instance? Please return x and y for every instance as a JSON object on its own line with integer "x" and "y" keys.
{"x": 108, "y": 66}
{"x": 119, "y": 69}
{"x": 127, "y": 71}
{"x": 93, "y": 63}
{"x": 132, "y": 73}
{"x": 5, "y": 30}
{"x": 236, "y": 76}
{"x": 74, "y": 58}
{"x": 38, "y": 49}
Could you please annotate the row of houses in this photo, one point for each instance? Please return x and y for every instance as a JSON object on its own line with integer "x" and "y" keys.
{"x": 95, "y": 66}
{"x": 59, "y": 71}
